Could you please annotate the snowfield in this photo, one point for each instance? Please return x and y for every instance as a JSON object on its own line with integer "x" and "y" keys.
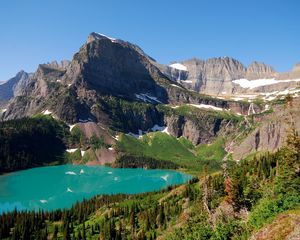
{"x": 147, "y": 98}
{"x": 245, "y": 83}
{"x": 174, "y": 85}
{"x": 178, "y": 66}
{"x": 157, "y": 128}
{"x": 267, "y": 96}
{"x": 72, "y": 126}
{"x": 71, "y": 150}
{"x": 206, "y": 106}
{"x": 46, "y": 112}
{"x": 104, "y": 36}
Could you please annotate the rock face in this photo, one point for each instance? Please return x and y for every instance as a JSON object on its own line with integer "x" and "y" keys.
{"x": 106, "y": 67}
{"x": 62, "y": 65}
{"x": 103, "y": 67}
{"x": 202, "y": 129}
{"x": 258, "y": 70}
{"x": 214, "y": 76}
{"x": 271, "y": 132}
{"x": 14, "y": 86}
{"x": 114, "y": 67}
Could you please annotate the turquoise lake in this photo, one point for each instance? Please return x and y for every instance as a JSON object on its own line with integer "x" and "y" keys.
{"x": 50, "y": 188}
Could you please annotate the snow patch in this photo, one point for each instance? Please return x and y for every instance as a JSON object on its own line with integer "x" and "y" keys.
{"x": 174, "y": 85}
{"x": 85, "y": 120}
{"x": 117, "y": 137}
{"x": 206, "y": 106}
{"x": 187, "y": 81}
{"x": 104, "y": 36}
{"x": 175, "y": 106}
{"x": 47, "y": 112}
{"x": 245, "y": 83}
{"x": 178, "y": 66}
{"x": 157, "y": 128}
{"x": 3, "y": 110}
{"x": 110, "y": 149}
{"x": 147, "y": 98}
{"x": 72, "y": 126}
{"x": 139, "y": 135}
{"x": 71, "y": 150}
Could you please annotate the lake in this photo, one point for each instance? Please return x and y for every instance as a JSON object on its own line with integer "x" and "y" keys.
{"x": 50, "y": 188}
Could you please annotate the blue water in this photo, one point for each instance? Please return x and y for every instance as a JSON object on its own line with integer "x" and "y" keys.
{"x": 57, "y": 187}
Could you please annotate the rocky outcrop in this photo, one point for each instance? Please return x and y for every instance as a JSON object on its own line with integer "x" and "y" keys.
{"x": 258, "y": 70}
{"x": 114, "y": 68}
{"x": 14, "y": 86}
{"x": 199, "y": 129}
{"x": 285, "y": 226}
{"x": 271, "y": 131}
{"x": 214, "y": 76}
{"x": 59, "y": 65}
{"x": 106, "y": 66}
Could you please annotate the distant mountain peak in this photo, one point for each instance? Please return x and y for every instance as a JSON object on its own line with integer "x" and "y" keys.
{"x": 99, "y": 36}
{"x": 296, "y": 67}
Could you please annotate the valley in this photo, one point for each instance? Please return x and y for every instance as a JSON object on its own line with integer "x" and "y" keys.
{"x": 225, "y": 135}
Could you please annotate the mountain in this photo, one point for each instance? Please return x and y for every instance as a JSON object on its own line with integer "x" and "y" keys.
{"x": 221, "y": 76}
{"x": 115, "y": 84}
{"x": 100, "y": 82}
{"x": 13, "y": 87}
{"x": 234, "y": 127}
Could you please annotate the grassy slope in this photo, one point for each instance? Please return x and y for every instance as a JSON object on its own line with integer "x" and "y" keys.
{"x": 180, "y": 151}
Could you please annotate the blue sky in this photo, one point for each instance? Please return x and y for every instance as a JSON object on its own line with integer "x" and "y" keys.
{"x": 39, "y": 31}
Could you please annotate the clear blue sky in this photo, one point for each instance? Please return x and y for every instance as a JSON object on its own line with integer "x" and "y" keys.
{"x": 39, "y": 31}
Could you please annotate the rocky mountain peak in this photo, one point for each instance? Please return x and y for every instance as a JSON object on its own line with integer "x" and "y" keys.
{"x": 98, "y": 36}
{"x": 258, "y": 70}
{"x": 59, "y": 65}
{"x": 296, "y": 68}
{"x": 14, "y": 86}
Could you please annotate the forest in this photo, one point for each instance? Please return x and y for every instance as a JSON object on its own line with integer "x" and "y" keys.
{"x": 230, "y": 204}
{"x": 25, "y": 143}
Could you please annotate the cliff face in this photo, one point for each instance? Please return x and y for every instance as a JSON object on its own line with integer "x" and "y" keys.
{"x": 73, "y": 91}
{"x": 200, "y": 130}
{"x": 271, "y": 131}
{"x": 114, "y": 83}
{"x": 116, "y": 68}
{"x": 102, "y": 67}
{"x": 14, "y": 86}
{"x": 215, "y": 76}
{"x": 258, "y": 70}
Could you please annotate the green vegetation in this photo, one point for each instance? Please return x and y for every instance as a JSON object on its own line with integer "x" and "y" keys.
{"x": 163, "y": 147}
{"x": 193, "y": 112}
{"x": 214, "y": 151}
{"x": 128, "y": 116}
{"x": 133, "y": 161}
{"x": 25, "y": 143}
{"x": 212, "y": 207}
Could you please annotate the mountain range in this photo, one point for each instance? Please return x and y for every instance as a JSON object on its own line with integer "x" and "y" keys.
{"x": 114, "y": 84}
{"x": 233, "y": 127}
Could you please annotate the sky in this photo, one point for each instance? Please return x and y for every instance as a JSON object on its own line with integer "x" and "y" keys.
{"x": 40, "y": 31}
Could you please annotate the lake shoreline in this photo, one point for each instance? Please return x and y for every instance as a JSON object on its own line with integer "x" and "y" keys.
{"x": 69, "y": 183}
